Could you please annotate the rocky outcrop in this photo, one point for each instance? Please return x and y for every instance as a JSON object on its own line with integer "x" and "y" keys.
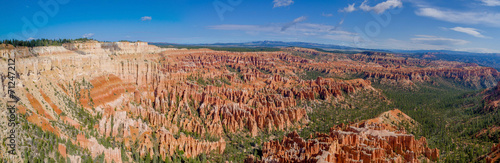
{"x": 85, "y": 48}
{"x": 130, "y": 48}
{"x": 371, "y": 142}
{"x": 390, "y": 121}
{"x": 50, "y": 51}
{"x": 104, "y": 89}
{"x": 491, "y": 97}
{"x": 114, "y": 48}
{"x": 75, "y": 159}
{"x": 492, "y": 156}
{"x": 191, "y": 147}
{"x": 96, "y": 149}
{"x": 62, "y": 150}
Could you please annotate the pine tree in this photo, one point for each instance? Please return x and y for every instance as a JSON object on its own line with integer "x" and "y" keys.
{"x": 148, "y": 158}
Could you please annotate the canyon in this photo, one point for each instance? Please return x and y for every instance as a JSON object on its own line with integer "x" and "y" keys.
{"x": 124, "y": 100}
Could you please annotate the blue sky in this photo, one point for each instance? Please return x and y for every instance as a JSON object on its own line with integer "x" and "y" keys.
{"x": 465, "y": 25}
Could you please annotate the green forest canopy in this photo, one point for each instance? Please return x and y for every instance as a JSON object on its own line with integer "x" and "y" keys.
{"x": 42, "y": 42}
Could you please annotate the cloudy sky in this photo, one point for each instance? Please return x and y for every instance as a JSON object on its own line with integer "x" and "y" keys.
{"x": 465, "y": 25}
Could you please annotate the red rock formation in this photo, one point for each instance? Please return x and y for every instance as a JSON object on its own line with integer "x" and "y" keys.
{"x": 492, "y": 156}
{"x": 96, "y": 149}
{"x": 70, "y": 121}
{"x": 389, "y": 120}
{"x": 43, "y": 123}
{"x": 491, "y": 99}
{"x": 105, "y": 89}
{"x": 54, "y": 107}
{"x": 191, "y": 147}
{"x": 38, "y": 107}
{"x": 367, "y": 143}
{"x": 62, "y": 150}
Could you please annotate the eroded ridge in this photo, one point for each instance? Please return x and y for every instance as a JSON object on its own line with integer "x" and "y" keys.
{"x": 368, "y": 141}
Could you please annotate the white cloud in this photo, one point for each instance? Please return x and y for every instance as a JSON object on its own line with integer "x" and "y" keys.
{"x": 295, "y": 21}
{"x": 326, "y": 15}
{"x": 88, "y": 35}
{"x": 319, "y": 29}
{"x": 341, "y": 21}
{"x": 488, "y": 18}
{"x": 491, "y": 2}
{"x": 349, "y": 8}
{"x": 146, "y": 18}
{"x": 282, "y": 3}
{"x": 470, "y": 31}
{"x": 423, "y": 42}
{"x": 381, "y": 7}
{"x": 339, "y": 37}
{"x": 437, "y": 41}
{"x": 29, "y": 39}
{"x": 406, "y": 45}
{"x": 300, "y": 19}
{"x": 478, "y": 50}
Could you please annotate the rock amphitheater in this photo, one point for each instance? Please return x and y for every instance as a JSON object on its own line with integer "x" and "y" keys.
{"x": 166, "y": 99}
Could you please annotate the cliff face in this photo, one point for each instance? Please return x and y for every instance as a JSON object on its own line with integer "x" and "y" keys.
{"x": 366, "y": 142}
{"x": 94, "y": 47}
{"x": 492, "y": 99}
{"x": 130, "y": 48}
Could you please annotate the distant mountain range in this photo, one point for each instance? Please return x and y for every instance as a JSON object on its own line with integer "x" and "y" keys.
{"x": 327, "y": 47}
{"x": 483, "y": 59}
{"x": 285, "y": 44}
{"x": 273, "y": 44}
